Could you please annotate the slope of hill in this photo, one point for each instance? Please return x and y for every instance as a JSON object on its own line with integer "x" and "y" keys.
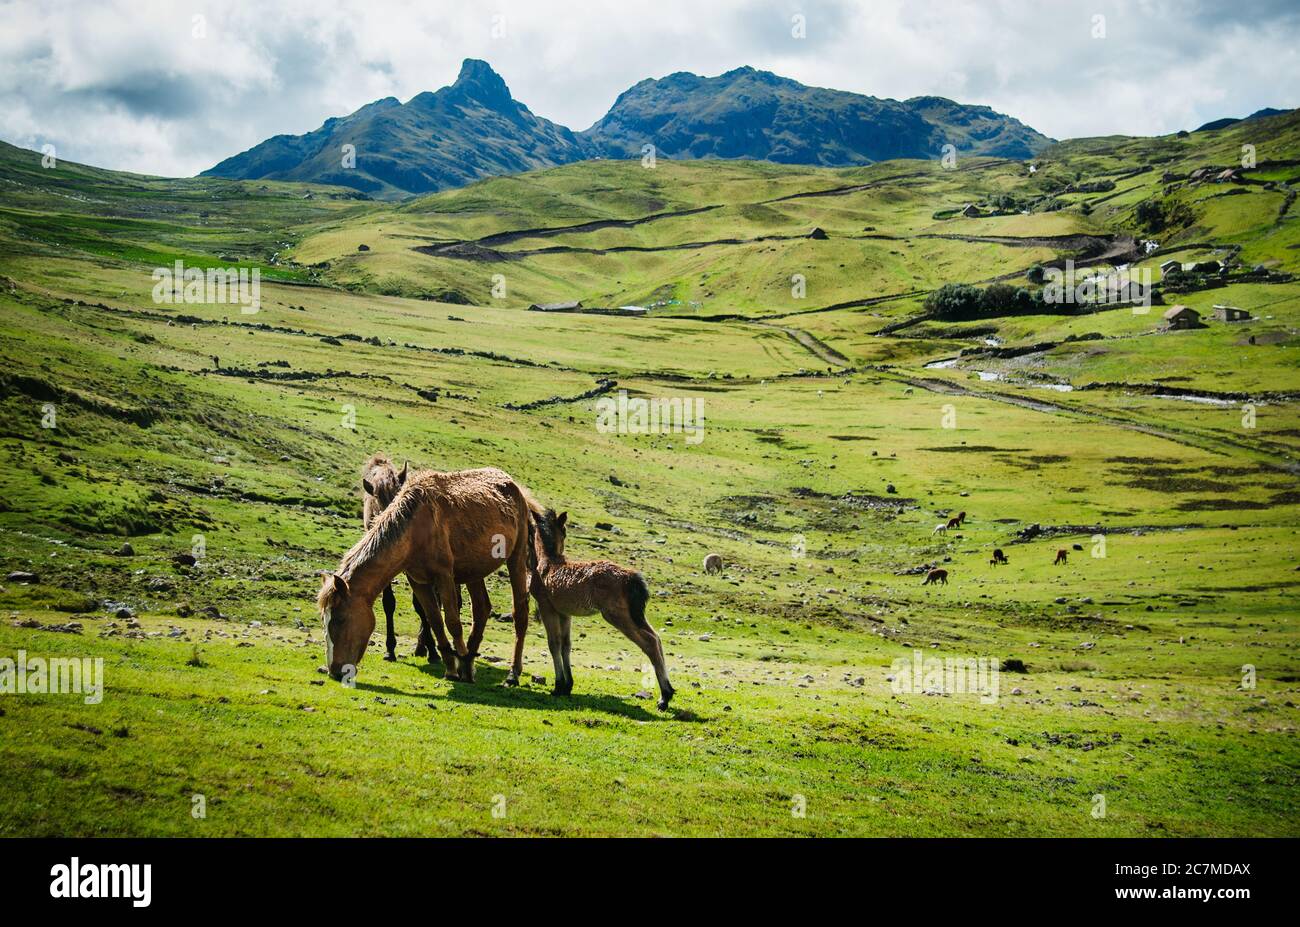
{"x": 177, "y": 475}
{"x": 471, "y": 129}
{"x": 720, "y": 238}
{"x": 747, "y": 113}
{"x": 1232, "y": 120}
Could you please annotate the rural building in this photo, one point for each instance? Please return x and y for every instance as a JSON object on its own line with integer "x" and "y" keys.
{"x": 1179, "y": 317}
{"x": 1121, "y": 289}
{"x": 1231, "y": 314}
{"x": 1228, "y": 176}
{"x": 556, "y": 307}
{"x": 633, "y": 310}
{"x": 1169, "y": 267}
{"x": 1200, "y": 173}
{"x": 970, "y": 210}
{"x": 819, "y": 234}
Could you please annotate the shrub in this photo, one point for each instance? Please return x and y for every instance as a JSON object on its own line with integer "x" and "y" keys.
{"x": 960, "y": 301}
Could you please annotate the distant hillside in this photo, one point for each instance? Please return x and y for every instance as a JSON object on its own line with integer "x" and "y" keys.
{"x": 756, "y": 114}
{"x": 1231, "y": 120}
{"x": 448, "y": 138}
{"x": 475, "y": 129}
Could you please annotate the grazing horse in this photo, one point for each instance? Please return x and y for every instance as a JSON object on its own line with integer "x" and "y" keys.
{"x": 1060, "y": 556}
{"x": 381, "y": 482}
{"x": 998, "y": 557}
{"x": 564, "y": 588}
{"x": 961, "y": 518}
{"x": 953, "y": 522}
{"x": 936, "y": 576}
{"x": 941, "y": 528}
{"x": 441, "y": 529}
{"x": 713, "y": 563}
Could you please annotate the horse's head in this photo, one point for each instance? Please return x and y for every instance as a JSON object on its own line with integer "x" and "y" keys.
{"x": 561, "y": 531}
{"x": 382, "y": 481}
{"x": 348, "y": 621}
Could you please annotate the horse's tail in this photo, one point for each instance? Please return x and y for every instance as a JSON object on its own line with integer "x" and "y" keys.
{"x": 638, "y": 594}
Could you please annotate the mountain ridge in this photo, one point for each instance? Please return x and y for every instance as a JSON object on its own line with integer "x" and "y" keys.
{"x": 475, "y": 128}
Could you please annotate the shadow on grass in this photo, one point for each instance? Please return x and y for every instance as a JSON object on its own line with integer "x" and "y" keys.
{"x": 487, "y": 689}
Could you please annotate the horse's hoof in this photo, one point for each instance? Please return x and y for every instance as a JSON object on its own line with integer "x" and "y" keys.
{"x": 663, "y": 704}
{"x": 511, "y": 680}
{"x": 390, "y": 657}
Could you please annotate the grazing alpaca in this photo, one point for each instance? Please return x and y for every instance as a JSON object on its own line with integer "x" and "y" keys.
{"x": 564, "y": 588}
{"x": 936, "y": 576}
{"x": 440, "y": 530}
{"x": 1060, "y": 556}
{"x": 713, "y": 563}
{"x": 941, "y": 528}
{"x": 998, "y": 557}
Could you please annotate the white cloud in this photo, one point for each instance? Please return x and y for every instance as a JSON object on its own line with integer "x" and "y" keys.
{"x": 127, "y": 84}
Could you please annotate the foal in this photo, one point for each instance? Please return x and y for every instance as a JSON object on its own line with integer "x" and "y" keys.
{"x": 564, "y": 588}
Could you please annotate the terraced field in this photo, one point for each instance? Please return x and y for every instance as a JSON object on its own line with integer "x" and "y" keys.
{"x": 1156, "y": 669}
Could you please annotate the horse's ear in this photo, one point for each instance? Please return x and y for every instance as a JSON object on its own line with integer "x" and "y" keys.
{"x": 401, "y": 477}
{"x": 563, "y": 517}
{"x": 340, "y": 584}
{"x": 367, "y": 486}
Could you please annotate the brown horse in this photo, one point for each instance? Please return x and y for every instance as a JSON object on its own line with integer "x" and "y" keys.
{"x": 381, "y": 482}
{"x": 441, "y": 529}
{"x": 1060, "y": 556}
{"x": 998, "y": 557}
{"x": 936, "y": 576}
{"x": 564, "y": 588}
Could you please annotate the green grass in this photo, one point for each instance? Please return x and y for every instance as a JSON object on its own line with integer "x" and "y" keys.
{"x": 154, "y": 445}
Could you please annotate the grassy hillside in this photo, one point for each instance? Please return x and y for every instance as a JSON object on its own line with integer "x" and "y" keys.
{"x": 830, "y": 454}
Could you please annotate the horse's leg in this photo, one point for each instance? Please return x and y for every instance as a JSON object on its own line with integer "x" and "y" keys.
{"x": 518, "y": 569}
{"x": 641, "y": 634}
{"x": 481, "y": 607}
{"x": 424, "y": 645}
{"x": 449, "y": 593}
{"x": 390, "y": 605}
{"x": 433, "y": 620}
{"x": 566, "y": 639}
{"x": 553, "y": 621}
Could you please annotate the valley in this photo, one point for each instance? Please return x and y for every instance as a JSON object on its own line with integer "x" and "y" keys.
{"x": 1157, "y": 667}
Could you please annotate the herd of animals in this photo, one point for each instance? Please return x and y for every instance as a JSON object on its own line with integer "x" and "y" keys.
{"x": 445, "y": 530}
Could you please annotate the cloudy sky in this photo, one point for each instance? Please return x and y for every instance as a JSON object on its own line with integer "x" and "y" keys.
{"x": 172, "y": 87}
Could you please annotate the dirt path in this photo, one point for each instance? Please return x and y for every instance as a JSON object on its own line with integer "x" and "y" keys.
{"x": 820, "y": 349}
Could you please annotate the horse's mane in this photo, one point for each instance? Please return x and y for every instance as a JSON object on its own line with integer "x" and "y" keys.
{"x": 384, "y": 530}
